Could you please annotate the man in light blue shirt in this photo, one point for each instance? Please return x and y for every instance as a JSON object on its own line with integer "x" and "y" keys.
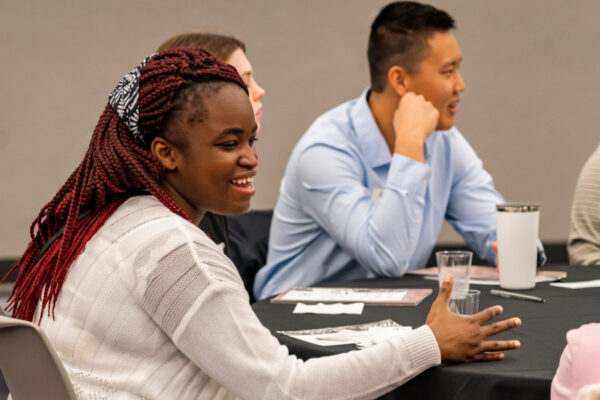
{"x": 368, "y": 186}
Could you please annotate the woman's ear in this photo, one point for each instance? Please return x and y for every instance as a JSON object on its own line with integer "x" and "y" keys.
{"x": 398, "y": 80}
{"x": 165, "y": 153}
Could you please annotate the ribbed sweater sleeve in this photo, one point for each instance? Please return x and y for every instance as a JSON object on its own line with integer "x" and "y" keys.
{"x": 221, "y": 334}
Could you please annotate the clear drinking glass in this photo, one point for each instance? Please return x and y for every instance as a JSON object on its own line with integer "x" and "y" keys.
{"x": 458, "y": 263}
{"x": 467, "y": 305}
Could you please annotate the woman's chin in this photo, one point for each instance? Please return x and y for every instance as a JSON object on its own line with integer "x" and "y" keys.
{"x": 233, "y": 210}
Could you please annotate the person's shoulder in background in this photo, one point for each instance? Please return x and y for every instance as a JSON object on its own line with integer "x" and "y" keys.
{"x": 584, "y": 237}
{"x": 216, "y": 227}
{"x": 245, "y": 239}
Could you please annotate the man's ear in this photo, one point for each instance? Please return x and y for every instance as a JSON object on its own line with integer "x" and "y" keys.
{"x": 165, "y": 153}
{"x": 398, "y": 80}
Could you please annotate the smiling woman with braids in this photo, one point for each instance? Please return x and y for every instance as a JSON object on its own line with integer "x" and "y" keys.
{"x": 228, "y": 232}
{"x": 140, "y": 303}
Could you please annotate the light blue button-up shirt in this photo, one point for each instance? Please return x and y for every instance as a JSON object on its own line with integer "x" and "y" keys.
{"x": 350, "y": 209}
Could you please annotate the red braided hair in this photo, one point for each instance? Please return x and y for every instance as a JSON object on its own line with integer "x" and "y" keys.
{"x": 113, "y": 168}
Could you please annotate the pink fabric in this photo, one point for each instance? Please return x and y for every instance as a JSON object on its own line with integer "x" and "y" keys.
{"x": 579, "y": 364}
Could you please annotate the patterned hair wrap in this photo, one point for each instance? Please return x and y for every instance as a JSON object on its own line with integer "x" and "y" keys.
{"x": 187, "y": 63}
{"x": 124, "y": 99}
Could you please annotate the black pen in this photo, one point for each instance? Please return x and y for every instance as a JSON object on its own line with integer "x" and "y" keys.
{"x": 511, "y": 295}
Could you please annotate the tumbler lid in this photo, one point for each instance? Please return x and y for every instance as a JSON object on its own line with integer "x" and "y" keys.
{"x": 517, "y": 207}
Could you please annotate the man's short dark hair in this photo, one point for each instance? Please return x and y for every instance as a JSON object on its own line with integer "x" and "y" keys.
{"x": 399, "y": 36}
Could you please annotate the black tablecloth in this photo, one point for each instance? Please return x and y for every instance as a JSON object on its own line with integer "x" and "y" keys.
{"x": 523, "y": 374}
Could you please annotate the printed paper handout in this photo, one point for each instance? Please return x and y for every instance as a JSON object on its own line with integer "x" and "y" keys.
{"x": 373, "y": 296}
{"x": 363, "y": 335}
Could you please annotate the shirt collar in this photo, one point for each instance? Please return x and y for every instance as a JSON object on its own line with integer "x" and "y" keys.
{"x": 369, "y": 136}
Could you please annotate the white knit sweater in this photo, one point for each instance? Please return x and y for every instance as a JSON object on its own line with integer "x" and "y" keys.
{"x": 153, "y": 309}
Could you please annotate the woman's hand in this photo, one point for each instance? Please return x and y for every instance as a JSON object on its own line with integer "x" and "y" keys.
{"x": 462, "y": 337}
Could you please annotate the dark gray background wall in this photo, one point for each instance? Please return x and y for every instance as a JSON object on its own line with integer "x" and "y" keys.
{"x": 530, "y": 108}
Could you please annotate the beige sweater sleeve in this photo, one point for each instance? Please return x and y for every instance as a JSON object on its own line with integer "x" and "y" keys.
{"x": 584, "y": 236}
{"x": 212, "y": 323}
{"x": 227, "y": 341}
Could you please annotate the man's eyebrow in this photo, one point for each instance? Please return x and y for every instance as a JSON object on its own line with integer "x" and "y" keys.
{"x": 452, "y": 63}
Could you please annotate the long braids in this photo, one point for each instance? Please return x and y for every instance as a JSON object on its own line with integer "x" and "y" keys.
{"x": 116, "y": 165}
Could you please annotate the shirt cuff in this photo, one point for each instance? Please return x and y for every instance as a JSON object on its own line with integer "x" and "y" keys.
{"x": 541, "y": 254}
{"x": 408, "y": 174}
{"x": 422, "y": 348}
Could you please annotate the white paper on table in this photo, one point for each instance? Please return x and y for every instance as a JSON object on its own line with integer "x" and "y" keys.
{"x": 472, "y": 281}
{"x": 330, "y": 309}
{"x": 538, "y": 279}
{"x": 343, "y": 294}
{"x": 364, "y": 335}
{"x": 578, "y": 285}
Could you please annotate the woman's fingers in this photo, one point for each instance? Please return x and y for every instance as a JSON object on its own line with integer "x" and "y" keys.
{"x": 494, "y": 346}
{"x": 488, "y": 314}
{"x": 489, "y": 356}
{"x": 494, "y": 350}
{"x": 500, "y": 326}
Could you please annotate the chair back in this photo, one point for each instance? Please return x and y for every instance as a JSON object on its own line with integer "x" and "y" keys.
{"x": 29, "y": 364}
{"x": 249, "y": 243}
{"x": 3, "y": 388}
